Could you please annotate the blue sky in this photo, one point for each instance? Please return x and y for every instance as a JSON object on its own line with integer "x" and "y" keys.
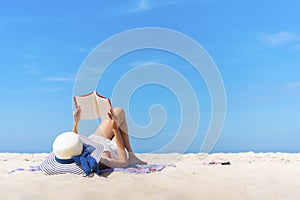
{"x": 255, "y": 44}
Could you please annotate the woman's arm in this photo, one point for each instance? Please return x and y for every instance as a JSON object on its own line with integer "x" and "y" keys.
{"x": 76, "y": 116}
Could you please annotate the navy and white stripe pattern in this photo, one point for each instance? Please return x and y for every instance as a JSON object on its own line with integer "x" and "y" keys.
{"x": 51, "y": 167}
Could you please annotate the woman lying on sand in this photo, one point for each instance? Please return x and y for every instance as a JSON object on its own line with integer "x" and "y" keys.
{"x": 112, "y": 133}
{"x": 108, "y": 147}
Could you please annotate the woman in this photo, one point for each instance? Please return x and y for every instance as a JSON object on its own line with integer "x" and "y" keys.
{"x": 112, "y": 133}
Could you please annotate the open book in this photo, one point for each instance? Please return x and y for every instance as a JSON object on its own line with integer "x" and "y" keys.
{"x": 93, "y": 106}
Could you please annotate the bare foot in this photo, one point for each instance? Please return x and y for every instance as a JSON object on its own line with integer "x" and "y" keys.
{"x": 133, "y": 160}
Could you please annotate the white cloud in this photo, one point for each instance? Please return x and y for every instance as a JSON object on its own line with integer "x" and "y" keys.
{"x": 261, "y": 98}
{"x": 49, "y": 89}
{"x": 82, "y": 49}
{"x": 59, "y": 79}
{"x": 16, "y": 20}
{"x": 144, "y": 5}
{"x": 297, "y": 46}
{"x": 87, "y": 50}
{"x": 279, "y": 38}
{"x": 137, "y": 63}
{"x": 28, "y": 56}
{"x": 291, "y": 85}
{"x": 30, "y": 69}
{"x": 95, "y": 70}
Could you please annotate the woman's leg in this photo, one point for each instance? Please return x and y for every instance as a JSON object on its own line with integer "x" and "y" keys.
{"x": 123, "y": 129}
{"x": 105, "y": 130}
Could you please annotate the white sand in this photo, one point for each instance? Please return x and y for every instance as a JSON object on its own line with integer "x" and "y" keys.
{"x": 250, "y": 176}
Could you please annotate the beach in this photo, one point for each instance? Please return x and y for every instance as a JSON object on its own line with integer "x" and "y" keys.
{"x": 194, "y": 176}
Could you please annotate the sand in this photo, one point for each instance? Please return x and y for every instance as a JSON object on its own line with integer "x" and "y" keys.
{"x": 250, "y": 176}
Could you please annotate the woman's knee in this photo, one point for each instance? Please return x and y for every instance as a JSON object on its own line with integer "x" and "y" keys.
{"x": 104, "y": 129}
{"x": 119, "y": 112}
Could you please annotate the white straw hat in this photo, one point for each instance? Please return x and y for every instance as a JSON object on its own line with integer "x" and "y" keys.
{"x": 51, "y": 166}
{"x": 66, "y": 145}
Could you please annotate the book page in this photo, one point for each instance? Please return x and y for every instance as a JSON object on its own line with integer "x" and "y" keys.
{"x": 104, "y": 106}
{"x": 88, "y": 105}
